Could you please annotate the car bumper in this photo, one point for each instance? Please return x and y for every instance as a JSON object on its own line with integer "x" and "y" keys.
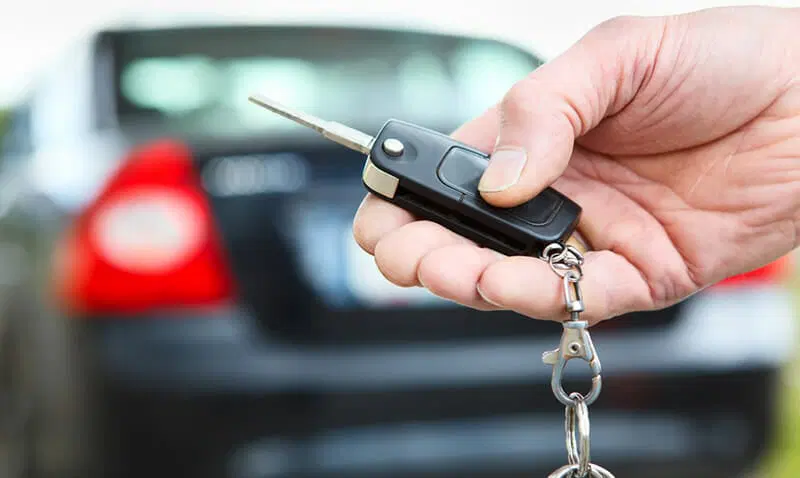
{"x": 696, "y": 392}
{"x": 722, "y": 421}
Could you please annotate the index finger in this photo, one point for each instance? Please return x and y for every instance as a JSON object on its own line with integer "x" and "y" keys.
{"x": 376, "y": 218}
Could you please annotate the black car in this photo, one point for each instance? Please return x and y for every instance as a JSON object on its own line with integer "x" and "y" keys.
{"x": 181, "y": 294}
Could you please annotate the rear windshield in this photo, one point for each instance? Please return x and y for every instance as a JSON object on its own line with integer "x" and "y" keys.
{"x": 199, "y": 79}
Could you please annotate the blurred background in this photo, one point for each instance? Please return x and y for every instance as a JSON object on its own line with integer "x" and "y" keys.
{"x": 180, "y": 294}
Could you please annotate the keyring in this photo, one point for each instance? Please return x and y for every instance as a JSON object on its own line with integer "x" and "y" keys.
{"x": 569, "y": 471}
{"x": 577, "y": 430}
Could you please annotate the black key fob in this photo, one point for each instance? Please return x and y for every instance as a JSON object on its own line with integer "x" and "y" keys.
{"x": 436, "y": 178}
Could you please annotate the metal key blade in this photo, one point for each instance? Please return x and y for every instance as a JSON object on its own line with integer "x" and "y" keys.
{"x": 344, "y": 135}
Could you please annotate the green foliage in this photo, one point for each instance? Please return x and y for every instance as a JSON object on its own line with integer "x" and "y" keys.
{"x": 783, "y": 457}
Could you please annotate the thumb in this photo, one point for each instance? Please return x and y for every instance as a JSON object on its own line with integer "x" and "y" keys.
{"x": 542, "y": 115}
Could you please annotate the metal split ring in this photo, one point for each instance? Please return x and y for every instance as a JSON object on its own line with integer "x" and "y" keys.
{"x": 577, "y": 431}
{"x": 563, "y": 259}
{"x": 571, "y": 471}
{"x": 550, "y": 255}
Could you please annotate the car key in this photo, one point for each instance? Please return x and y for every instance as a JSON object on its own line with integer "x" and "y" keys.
{"x": 436, "y": 178}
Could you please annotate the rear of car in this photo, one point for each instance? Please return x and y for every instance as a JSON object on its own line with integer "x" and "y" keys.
{"x": 226, "y": 324}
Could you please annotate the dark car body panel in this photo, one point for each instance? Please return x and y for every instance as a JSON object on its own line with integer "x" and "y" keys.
{"x": 221, "y": 404}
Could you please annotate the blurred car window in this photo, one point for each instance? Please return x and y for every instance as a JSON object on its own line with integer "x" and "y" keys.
{"x": 4, "y": 122}
{"x": 198, "y": 80}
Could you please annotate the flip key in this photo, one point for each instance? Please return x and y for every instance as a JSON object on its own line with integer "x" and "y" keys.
{"x": 436, "y": 178}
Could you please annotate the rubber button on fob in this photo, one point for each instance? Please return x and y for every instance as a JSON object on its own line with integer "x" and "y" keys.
{"x": 462, "y": 170}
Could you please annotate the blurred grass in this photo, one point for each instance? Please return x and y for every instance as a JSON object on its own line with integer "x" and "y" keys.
{"x": 783, "y": 459}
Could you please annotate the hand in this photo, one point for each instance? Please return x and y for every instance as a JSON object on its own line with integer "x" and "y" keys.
{"x": 680, "y": 138}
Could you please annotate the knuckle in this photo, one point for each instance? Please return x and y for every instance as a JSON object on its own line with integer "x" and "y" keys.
{"x": 619, "y": 23}
{"x": 535, "y": 99}
{"x": 490, "y": 287}
{"x": 517, "y": 102}
{"x": 627, "y": 33}
{"x": 398, "y": 258}
{"x": 361, "y": 237}
{"x": 387, "y": 263}
{"x": 430, "y": 229}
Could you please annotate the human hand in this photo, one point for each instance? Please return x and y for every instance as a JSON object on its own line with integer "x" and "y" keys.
{"x": 679, "y": 137}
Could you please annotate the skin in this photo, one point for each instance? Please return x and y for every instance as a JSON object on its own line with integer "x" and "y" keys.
{"x": 679, "y": 137}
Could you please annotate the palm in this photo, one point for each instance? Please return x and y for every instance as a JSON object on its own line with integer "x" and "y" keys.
{"x": 677, "y": 231}
{"x": 687, "y": 218}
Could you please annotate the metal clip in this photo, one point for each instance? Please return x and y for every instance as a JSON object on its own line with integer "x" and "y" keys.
{"x": 572, "y": 294}
{"x": 575, "y": 343}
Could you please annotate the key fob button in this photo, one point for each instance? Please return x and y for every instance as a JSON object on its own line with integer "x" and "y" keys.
{"x": 462, "y": 170}
{"x": 393, "y": 147}
{"x": 539, "y": 211}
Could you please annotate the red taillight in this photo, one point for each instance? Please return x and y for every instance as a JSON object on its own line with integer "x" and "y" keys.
{"x": 148, "y": 241}
{"x": 775, "y": 272}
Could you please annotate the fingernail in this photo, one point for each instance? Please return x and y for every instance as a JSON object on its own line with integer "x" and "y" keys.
{"x": 483, "y": 296}
{"x": 504, "y": 170}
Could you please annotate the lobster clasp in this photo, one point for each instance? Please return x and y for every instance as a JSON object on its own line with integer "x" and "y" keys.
{"x": 575, "y": 343}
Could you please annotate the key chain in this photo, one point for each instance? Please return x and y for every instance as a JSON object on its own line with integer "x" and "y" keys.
{"x": 567, "y": 262}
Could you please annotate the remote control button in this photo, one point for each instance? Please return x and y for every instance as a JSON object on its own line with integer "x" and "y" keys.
{"x": 462, "y": 170}
{"x": 393, "y": 147}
